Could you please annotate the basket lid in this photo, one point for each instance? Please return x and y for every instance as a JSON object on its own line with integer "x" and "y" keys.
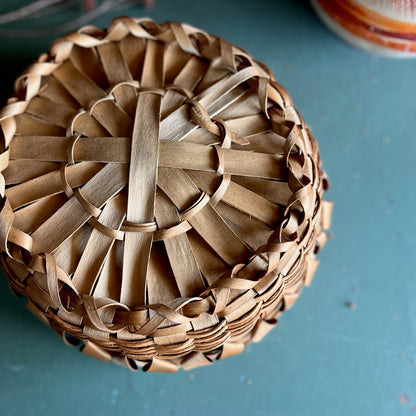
{"x": 158, "y": 182}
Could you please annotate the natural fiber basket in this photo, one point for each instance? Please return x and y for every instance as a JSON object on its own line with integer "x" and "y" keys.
{"x": 161, "y": 196}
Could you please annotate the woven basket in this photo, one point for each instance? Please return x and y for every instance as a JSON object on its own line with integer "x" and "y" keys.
{"x": 161, "y": 196}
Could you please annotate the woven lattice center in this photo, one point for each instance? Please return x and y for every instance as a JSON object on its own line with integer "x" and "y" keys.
{"x": 158, "y": 183}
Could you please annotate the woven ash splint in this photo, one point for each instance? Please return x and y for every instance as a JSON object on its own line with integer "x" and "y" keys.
{"x": 161, "y": 196}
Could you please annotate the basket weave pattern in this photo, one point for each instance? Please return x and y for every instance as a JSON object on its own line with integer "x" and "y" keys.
{"x": 161, "y": 196}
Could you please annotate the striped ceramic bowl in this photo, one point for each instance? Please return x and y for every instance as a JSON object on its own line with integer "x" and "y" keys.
{"x": 387, "y": 27}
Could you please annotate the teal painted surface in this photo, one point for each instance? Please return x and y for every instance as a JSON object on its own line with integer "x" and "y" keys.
{"x": 323, "y": 358}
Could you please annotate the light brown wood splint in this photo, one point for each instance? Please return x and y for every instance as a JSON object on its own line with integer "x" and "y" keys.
{"x": 162, "y": 199}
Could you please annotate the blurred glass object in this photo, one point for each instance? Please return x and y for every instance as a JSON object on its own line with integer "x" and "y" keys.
{"x": 34, "y": 12}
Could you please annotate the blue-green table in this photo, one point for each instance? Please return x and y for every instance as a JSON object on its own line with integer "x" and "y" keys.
{"x": 325, "y": 357}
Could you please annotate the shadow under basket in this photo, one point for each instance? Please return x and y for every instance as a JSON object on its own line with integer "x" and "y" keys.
{"x": 162, "y": 199}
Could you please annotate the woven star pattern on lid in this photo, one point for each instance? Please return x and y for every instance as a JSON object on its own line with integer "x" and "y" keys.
{"x": 162, "y": 199}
